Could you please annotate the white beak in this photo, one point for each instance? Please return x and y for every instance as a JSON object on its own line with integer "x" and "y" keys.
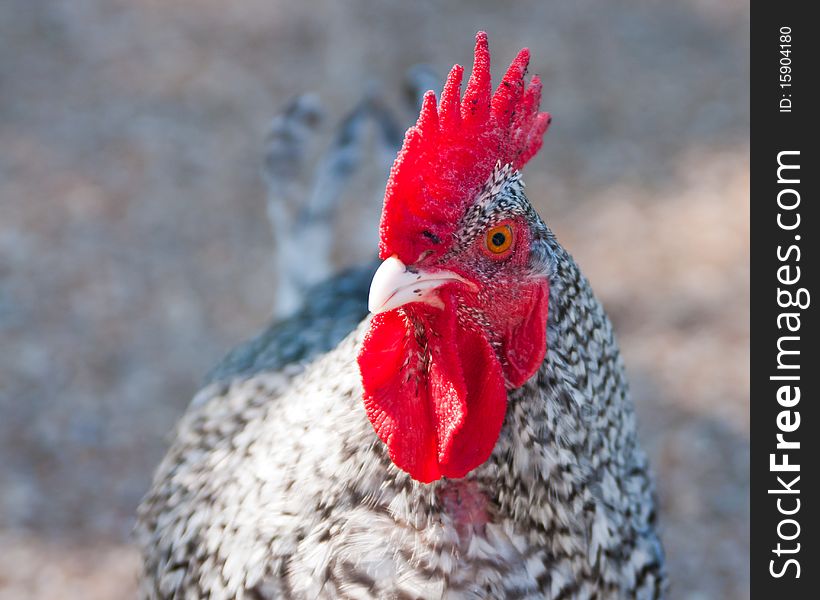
{"x": 394, "y": 285}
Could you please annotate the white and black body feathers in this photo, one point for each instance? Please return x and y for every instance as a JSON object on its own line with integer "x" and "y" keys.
{"x": 277, "y": 486}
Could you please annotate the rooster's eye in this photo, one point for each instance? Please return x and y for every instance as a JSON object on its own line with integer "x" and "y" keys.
{"x": 499, "y": 239}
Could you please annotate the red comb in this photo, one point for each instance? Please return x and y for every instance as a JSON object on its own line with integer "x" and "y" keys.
{"x": 452, "y": 149}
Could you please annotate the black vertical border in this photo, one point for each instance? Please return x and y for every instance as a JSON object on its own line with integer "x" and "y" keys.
{"x": 773, "y": 131}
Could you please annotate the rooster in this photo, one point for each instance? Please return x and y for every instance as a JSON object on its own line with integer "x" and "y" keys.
{"x": 472, "y": 438}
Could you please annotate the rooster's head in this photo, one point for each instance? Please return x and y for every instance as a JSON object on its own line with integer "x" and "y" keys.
{"x": 461, "y": 298}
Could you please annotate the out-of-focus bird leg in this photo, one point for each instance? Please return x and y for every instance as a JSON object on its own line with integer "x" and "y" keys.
{"x": 303, "y": 202}
{"x": 289, "y": 149}
{"x": 303, "y": 199}
{"x": 305, "y": 252}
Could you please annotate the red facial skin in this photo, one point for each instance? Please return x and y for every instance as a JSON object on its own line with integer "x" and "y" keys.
{"x": 435, "y": 379}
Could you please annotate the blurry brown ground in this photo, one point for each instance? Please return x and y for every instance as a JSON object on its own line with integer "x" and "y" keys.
{"x": 134, "y": 246}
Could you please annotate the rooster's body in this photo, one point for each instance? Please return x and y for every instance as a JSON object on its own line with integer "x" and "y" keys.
{"x": 282, "y": 483}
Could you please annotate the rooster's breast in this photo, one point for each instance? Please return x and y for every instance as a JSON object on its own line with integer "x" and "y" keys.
{"x": 277, "y": 483}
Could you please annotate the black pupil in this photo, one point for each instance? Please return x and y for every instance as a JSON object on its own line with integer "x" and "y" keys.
{"x": 499, "y": 239}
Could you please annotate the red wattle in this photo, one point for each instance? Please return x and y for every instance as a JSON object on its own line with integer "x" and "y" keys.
{"x": 439, "y": 421}
{"x": 395, "y": 402}
{"x": 486, "y": 406}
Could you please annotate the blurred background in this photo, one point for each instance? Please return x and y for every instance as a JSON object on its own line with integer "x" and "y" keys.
{"x": 135, "y": 249}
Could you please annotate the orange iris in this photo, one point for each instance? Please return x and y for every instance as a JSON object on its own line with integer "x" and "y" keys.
{"x": 499, "y": 239}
